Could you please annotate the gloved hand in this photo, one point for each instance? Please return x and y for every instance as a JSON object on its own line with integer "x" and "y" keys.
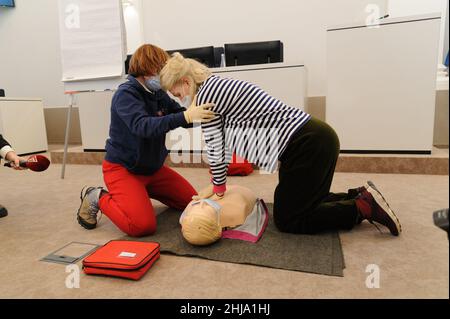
{"x": 199, "y": 113}
{"x": 206, "y": 192}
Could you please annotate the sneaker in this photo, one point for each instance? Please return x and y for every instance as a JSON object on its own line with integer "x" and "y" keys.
{"x": 374, "y": 207}
{"x": 371, "y": 185}
{"x": 87, "y": 213}
{"x": 3, "y": 211}
{"x": 358, "y": 192}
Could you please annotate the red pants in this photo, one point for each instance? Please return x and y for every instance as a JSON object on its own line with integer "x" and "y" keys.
{"x": 128, "y": 204}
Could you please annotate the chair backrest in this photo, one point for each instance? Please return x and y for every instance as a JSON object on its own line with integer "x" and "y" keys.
{"x": 127, "y": 63}
{"x": 218, "y": 51}
{"x": 203, "y": 55}
{"x": 254, "y": 53}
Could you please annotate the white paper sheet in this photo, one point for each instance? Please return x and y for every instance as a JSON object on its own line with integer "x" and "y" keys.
{"x": 92, "y": 35}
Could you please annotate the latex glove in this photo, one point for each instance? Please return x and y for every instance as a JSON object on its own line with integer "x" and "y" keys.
{"x": 207, "y": 192}
{"x": 15, "y": 160}
{"x": 199, "y": 113}
{"x": 217, "y": 197}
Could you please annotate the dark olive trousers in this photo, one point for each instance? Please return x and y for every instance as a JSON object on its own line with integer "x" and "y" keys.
{"x": 303, "y": 203}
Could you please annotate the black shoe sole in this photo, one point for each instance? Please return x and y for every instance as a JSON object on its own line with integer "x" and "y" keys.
{"x": 372, "y": 185}
{"x": 381, "y": 201}
{"x": 79, "y": 219}
{"x": 3, "y": 212}
{"x": 84, "y": 224}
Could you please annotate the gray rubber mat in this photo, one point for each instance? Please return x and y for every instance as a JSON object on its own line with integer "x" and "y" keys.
{"x": 319, "y": 254}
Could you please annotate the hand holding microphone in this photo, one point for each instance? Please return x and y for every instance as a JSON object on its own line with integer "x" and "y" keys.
{"x": 36, "y": 163}
{"x": 14, "y": 160}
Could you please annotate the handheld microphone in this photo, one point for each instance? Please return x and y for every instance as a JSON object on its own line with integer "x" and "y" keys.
{"x": 35, "y": 163}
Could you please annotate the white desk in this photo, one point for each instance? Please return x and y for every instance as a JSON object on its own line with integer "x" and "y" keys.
{"x": 22, "y": 124}
{"x": 95, "y": 117}
{"x": 286, "y": 82}
{"x": 283, "y": 81}
{"x": 442, "y": 81}
{"x": 441, "y": 124}
{"x": 382, "y": 84}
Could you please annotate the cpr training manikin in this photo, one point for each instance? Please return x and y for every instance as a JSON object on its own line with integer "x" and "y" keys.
{"x": 238, "y": 215}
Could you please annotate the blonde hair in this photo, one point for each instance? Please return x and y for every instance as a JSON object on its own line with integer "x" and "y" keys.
{"x": 201, "y": 226}
{"x": 178, "y": 67}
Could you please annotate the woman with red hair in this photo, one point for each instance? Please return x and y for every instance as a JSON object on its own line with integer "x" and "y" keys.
{"x": 133, "y": 169}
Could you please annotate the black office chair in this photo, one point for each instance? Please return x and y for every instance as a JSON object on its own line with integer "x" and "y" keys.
{"x": 254, "y": 53}
{"x": 203, "y": 55}
{"x": 218, "y": 51}
{"x": 127, "y": 63}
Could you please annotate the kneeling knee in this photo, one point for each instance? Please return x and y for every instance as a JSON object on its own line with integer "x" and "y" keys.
{"x": 281, "y": 225}
{"x": 293, "y": 227}
{"x": 141, "y": 230}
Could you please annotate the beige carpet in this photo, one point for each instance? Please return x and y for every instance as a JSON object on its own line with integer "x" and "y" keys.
{"x": 42, "y": 218}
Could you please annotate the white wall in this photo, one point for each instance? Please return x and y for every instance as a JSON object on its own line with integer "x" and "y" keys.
{"x": 132, "y": 10}
{"x": 446, "y": 35}
{"x": 300, "y": 24}
{"x": 399, "y": 8}
{"x": 30, "y": 63}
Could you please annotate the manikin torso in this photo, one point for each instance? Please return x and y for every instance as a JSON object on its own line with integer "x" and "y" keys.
{"x": 202, "y": 221}
{"x": 237, "y": 203}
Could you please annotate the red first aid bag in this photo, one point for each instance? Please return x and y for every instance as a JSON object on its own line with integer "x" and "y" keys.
{"x": 239, "y": 167}
{"x": 121, "y": 258}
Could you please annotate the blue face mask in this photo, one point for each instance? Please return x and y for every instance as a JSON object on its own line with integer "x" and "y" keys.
{"x": 153, "y": 83}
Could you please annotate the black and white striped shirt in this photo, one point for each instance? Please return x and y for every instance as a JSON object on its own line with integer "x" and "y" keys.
{"x": 249, "y": 122}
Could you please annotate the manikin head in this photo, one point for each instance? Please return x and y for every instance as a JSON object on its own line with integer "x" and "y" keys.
{"x": 202, "y": 221}
{"x": 200, "y": 224}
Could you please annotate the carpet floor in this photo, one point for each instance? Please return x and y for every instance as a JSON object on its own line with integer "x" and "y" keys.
{"x": 41, "y": 219}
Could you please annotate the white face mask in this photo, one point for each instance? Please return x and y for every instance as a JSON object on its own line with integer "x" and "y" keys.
{"x": 187, "y": 100}
{"x": 215, "y": 205}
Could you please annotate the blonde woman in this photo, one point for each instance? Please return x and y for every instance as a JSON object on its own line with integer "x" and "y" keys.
{"x": 266, "y": 131}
